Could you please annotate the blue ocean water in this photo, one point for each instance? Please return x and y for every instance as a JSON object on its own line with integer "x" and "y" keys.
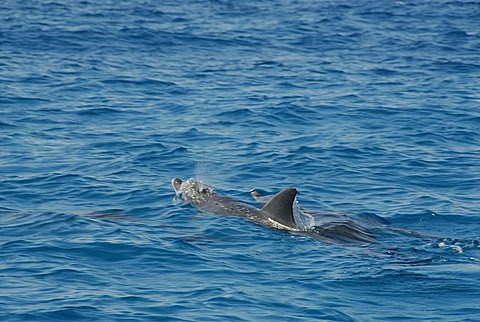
{"x": 369, "y": 108}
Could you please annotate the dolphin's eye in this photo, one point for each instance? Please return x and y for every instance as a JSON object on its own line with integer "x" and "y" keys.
{"x": 204, "y": 190}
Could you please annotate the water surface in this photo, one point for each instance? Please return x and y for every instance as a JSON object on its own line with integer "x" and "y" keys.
{"x": 368, "y": 109}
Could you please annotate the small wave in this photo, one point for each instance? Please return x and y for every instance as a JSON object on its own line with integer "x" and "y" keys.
{"x": 70, "y": 312}
{"x": 456, "y": 66}
{"x": 243, "y": 113}
{"x": 102, "y": 111}
{"x": 139, "y": 82}
{"x": 4, "y": 125}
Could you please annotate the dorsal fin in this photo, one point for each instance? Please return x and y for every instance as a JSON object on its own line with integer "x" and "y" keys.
{"x": 279, "y": 208}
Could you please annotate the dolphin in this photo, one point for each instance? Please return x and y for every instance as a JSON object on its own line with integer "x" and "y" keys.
{"x": 277, "y": 212}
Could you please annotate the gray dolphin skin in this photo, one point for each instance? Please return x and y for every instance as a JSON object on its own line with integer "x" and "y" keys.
{"x": 278, "y": 212}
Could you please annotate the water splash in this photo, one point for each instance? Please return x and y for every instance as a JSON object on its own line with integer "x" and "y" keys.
{"x": 207, "y": 172}
{"x": 303, "y": 219}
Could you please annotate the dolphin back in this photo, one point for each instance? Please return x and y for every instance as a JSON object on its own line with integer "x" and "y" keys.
{"x": 280, "y": 207}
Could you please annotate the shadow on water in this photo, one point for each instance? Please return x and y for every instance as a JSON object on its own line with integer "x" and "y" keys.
{"x": 114, "y": 215}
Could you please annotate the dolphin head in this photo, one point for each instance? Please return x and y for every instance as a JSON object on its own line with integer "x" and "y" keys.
{"x": 191, "y": 190}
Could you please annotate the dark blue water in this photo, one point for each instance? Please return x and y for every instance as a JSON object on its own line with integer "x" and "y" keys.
{"x": 368, "y": 108}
